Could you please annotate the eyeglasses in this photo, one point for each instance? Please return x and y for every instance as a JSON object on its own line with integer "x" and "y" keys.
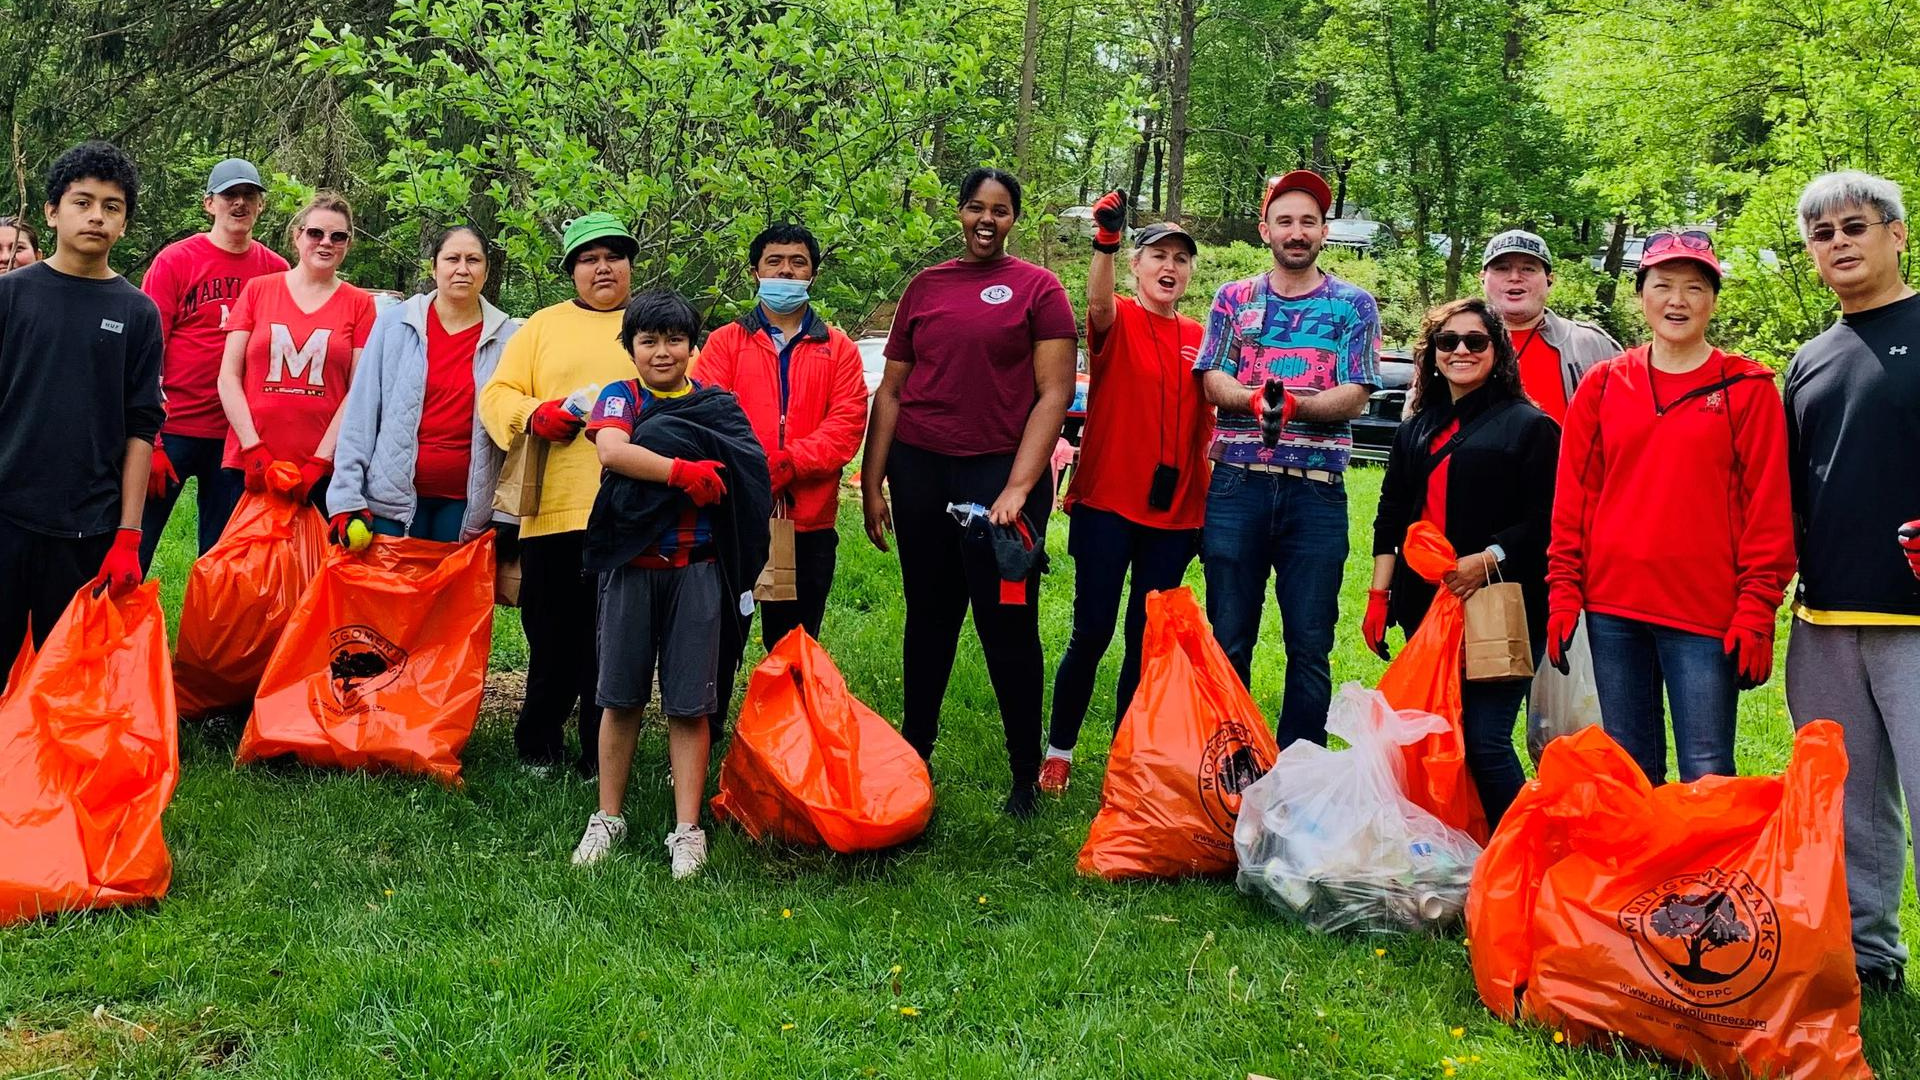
{"x": 1852, "y": 230}
{"x": 1447, "y": 341}
{"x": 316, "y": 235}
{"x": 1668, "y": 239}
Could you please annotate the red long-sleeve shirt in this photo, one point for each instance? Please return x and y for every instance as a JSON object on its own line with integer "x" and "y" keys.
{"x": 1672, "y": 504}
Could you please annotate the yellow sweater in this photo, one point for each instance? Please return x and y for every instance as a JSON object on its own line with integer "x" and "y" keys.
{"x": 559, "y": 350}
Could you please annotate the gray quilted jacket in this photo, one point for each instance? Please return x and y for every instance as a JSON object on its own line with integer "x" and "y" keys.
{"x": 380, "y": 429}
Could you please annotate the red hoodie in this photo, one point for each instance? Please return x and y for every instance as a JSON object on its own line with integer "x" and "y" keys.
{"x": 825, "y": 414}
{"x": 1678, "y": 513}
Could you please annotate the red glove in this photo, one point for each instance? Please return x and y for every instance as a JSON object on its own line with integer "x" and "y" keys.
{"x": 1560, "y": 628}
{"x": 1752, "y": 655}
{"x": 1910, "y": 543}
{"x": 120, "y": 570}
{"x": 1273, "y": 406}
{"x": 315, "y": 470}
{"x": 254, "y": 461}
{"x": 337, "y": 525}
{"x": 1373, "y": 628}
{"x": 552, "y": 422}
{"x": 780, "y": 470}
{"x": 699, "y": 479}
{"x": 161, "y": 476}
{"x": 1110, "y": 221}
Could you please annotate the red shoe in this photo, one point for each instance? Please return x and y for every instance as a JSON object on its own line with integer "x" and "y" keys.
{"x": 1053, "y": 775}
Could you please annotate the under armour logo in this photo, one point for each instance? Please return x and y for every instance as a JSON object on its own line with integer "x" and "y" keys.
{"x": 1896, "y": 350}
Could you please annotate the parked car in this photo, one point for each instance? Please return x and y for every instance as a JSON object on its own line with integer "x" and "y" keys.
{"x": 1075, "y": 222}
{"x": 1374, "y": 429}
{"x": 1353, "y": 234}
{"x": 873, "y": 360}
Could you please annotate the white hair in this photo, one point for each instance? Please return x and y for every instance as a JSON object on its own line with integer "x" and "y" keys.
{"x": 1835, "y": 191}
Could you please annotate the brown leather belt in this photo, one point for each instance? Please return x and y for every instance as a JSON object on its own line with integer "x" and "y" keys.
{"x": 1318, "y": 476}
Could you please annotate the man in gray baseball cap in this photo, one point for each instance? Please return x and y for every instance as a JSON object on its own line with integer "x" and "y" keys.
{"x": 232, "y": 173}
{"x": 1516, "y": 273}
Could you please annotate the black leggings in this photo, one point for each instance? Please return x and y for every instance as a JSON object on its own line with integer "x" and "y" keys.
{"x": 559, "y": 611}
{"x": 941, "y": 575}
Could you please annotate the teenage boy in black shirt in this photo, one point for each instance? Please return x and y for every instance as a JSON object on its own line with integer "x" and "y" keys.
{"x": 80, "y": 388}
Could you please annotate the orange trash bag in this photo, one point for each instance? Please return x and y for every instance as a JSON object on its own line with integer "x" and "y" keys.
{"x": 1426, "y": 676}
{"x": 1707, "y": 921}
{"x": 90, "y": 758}
{"x": 1192, "y": 741}
{"x": 383, "y": 662}
{"x": 810, "y": 764}
{"x": 241, "y": 593}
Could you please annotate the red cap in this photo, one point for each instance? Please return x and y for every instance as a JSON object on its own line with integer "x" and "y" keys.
{"x": 1298, "y": 180}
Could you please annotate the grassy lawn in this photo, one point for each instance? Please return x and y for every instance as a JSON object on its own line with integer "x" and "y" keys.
{"x": 323, "y": 924}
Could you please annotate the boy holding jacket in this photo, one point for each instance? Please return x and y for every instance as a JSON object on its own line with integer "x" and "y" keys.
{"x": 678, "y": 532}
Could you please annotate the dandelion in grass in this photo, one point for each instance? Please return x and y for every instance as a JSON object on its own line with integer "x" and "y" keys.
{"x": 908, "y": 1010}
{"x": 786, "y": 1027}
{"x": 786, "y": 913}
{"x": 389, "y": 892}
{"x": 1559, "y": 1037}
{"x": 1458, "y": 1032}
{"x": 983, "y": 899}
{"x": 895, "y": 970}
{"x": 1379, "y": 952}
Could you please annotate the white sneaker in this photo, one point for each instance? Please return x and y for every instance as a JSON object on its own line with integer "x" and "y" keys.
{"x": 604, "y": 833}
{"x": 687, "y": 845}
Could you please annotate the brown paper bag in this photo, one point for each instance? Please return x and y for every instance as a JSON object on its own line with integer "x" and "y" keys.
{"x": 779, "y": 579}
{"x": 518, "y": 492}
{"x": 506, "y": 583}
{"x": 1496, "y": 644}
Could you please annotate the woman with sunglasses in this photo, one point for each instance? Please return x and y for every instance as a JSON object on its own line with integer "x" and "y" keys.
{"x": 1672, "y": 529}
{"x": 292, "y": 342}
{"x": 1476, "y": 458}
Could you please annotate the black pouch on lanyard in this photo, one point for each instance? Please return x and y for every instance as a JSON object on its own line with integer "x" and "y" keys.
{"x": 1165, "y": 479}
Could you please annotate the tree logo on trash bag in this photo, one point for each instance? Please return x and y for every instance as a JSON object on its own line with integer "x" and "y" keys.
{"x": 1230, "y": 762}
{"x": 1709, "y": 939}
{"x": 361, "y": 661}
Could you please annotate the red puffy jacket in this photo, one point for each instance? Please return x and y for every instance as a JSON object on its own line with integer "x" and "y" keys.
{"x": 1674, "y": 513}
{"x": 824, "y": 416}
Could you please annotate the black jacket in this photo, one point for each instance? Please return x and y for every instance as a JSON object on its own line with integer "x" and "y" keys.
{"x": 1500, "y": 479}
{"x": 630, "y": 515}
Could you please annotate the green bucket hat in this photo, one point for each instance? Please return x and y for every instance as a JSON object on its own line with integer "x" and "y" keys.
{"x": 588, "y": 228}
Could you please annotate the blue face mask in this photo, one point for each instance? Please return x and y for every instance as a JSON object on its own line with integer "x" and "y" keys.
{"x": 783, "y": 296}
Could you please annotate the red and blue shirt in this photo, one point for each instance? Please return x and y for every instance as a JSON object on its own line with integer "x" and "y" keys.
{"x": 691, "y": 538}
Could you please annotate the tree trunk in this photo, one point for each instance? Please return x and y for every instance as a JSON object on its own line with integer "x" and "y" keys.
{"x": 1177, "y": 136}
{"x": 1159, "y": 163}
{"x": 1086, "y": 166}
{"x": 1340, "y": 188}
{"x": 1610, "y": 267}
{"x": 1318, "y": 154}
{"x": 1029, "y": 63}
{"x": 1422, "y": 215}
{"x": 1140, "y": 156}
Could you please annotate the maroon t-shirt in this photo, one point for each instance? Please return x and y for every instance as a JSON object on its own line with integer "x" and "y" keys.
{"x": 968, "y": 329}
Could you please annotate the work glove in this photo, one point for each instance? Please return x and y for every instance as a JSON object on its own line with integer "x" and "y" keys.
{"x": 161, "y": 475}
{"x": 780, "y": 470}
{"x": 315, "y": 470}
{"x": 1752, "y": 654}
{"x": 337, "y": 527}
{"x": 1373, "y": 628}
{"x": 1910, "y": 543}
{"x": 120, "y": 570}
{"x": 1110, "y": 221}
{"x": 699, "y": 479}
{"x": 254, "y": 461}
{"x": 1560, "y": 628}
{"x": 1273, "y": 406}
{"x": 554, "y": 423}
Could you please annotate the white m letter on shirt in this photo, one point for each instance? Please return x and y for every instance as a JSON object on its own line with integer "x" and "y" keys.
{"x": 309, "y": 360}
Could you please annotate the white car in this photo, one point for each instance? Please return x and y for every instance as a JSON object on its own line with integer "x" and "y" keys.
{"x": 873, "y": 360}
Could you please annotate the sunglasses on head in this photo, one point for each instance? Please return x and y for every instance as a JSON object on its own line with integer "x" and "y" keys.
{"x": 1852, "y": 230}
{"x": 1667, "y": 239}
{"x": 1447, "y": 341}
{"x": 317, "y": 234}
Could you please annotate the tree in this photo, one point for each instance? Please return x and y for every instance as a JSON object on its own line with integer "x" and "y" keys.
{"x": 1705, "y": 921}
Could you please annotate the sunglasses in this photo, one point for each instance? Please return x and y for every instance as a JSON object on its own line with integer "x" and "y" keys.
{"x": 317, "y": 235}
{"x": 1447, "y": 341}
{"x": 1667, "y": 239}
{"x": 1852, "y": 230}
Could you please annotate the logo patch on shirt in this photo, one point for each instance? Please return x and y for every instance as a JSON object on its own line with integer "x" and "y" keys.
{"x": 1716, "y": 402}
{"x": 1896, "y": 350}
{"x": 616, "y": 408}
{"x": 997, "y": 294}
{"x": 112, "y": 327}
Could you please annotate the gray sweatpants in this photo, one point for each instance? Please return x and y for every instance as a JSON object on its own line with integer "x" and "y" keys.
{"x": 1868, "y": 679}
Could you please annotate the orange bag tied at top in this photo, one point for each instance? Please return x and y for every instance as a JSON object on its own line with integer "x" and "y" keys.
{"x": 1426, "y": 676}
{"x": 89, "y": 757}
{"x": 241, "y": 593}
{"x": 383, "y": 662}
{"x": 1707, "y": 921}
{"x": 1192, "y": 741}
{"x": 810, "y": 764}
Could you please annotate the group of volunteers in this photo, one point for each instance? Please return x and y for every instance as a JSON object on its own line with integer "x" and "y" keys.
{"x": 1652, "y": 504}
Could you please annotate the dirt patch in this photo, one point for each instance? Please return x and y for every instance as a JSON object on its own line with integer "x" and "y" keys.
{"x": 25, "y": 1051}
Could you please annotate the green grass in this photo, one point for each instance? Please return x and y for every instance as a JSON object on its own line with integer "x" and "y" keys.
{"x": 324, "y": 924}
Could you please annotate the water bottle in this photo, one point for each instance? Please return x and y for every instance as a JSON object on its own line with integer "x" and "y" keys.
{"x": 580, "y": 402}
{"x": 964, "y": 513}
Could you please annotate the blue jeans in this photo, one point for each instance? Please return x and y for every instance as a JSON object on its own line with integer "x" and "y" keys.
{"x": 433, "y": 519}
{"x": 1259, "y": 521}
{"x": 1488, "y": 713}
{"x": 1104, "y": 547}
{"x": 218, "y": 493}
{"x": 1632, "y": 661}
